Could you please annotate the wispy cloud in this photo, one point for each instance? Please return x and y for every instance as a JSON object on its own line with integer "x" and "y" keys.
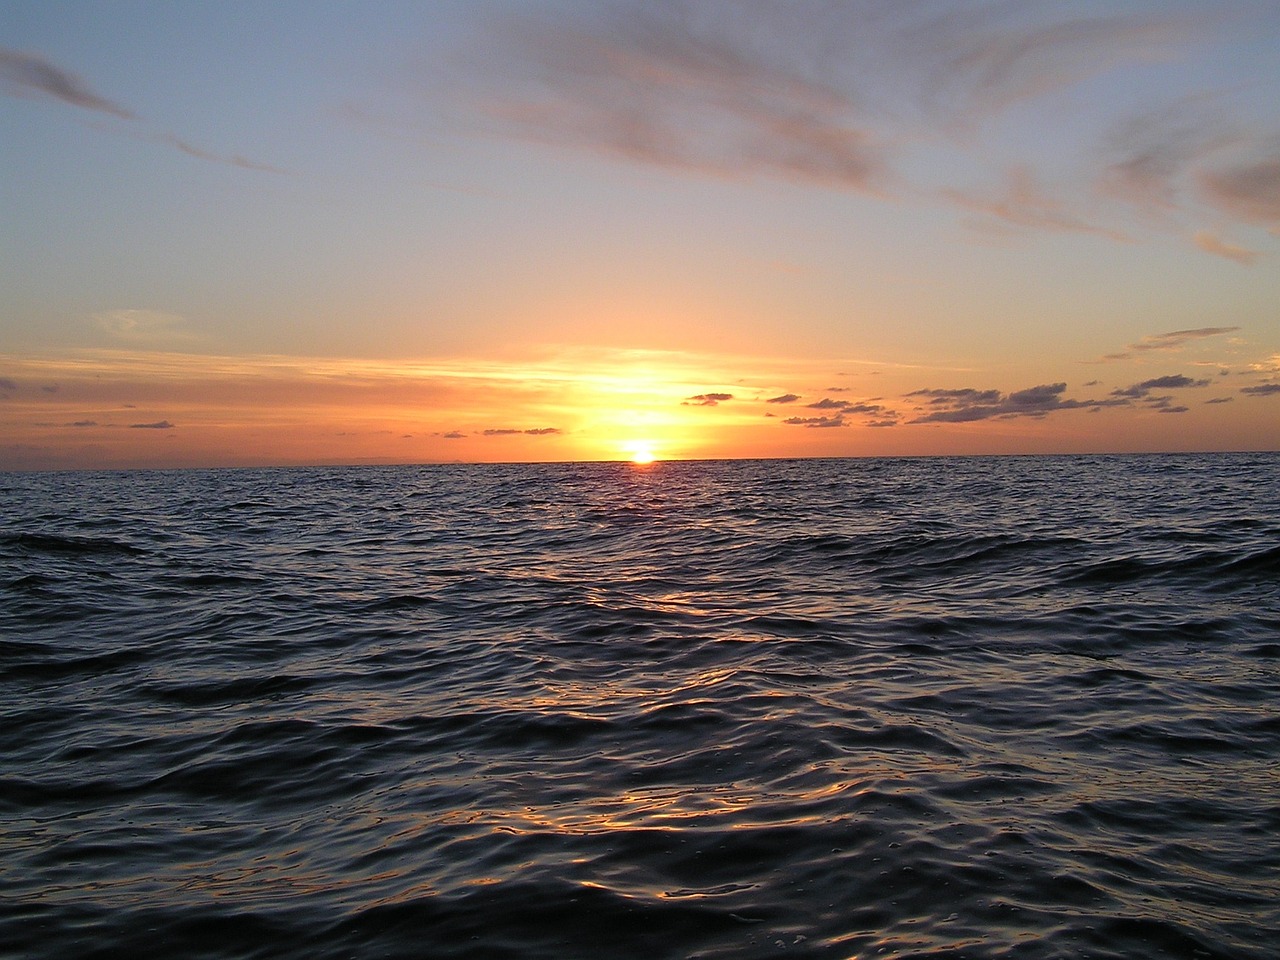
{"x": 31, "y": 75}
{"x": 1022, "y": 202}
{"x": 678, "y": 86}
{"x": 1262, "y": 390}
{"x": 1249, "y": 190}
{"x": 1172, "y": 341}
{"x": 25, "y": 74}
{"x": 1146, "y": 155}
{"x": 1176, "y": 338}
{"x": 234, "y": 160}
{"x": 984, "y": 57}
{"x": 158, "y": 425}
{"x": 143, "y": 326}
{"x": 865, "y": 95}
{"x": 1212, "y": 243}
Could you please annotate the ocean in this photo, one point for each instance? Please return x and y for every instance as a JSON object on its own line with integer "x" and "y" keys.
{"x": 1007, "y": 707}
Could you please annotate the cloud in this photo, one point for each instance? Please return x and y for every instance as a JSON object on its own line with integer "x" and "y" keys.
{"x": 958, "y": 396}
{"x": 1042, "y": 397}
{"x": 706, "y": 399}
{"x": 1174, "y": 340}
{"x": 1212, "y": 243}
{"x": 685, "y": 85}
{"x": 809, "y": 91}
{"x": 452, "y": 435}
{"x": 1250, "y": 190}
{"x": 143, "y": 326}
{"x": 1262, "y": 390}
{"x": 84, "y": 423}
{"x": 785, "y": 398}
{"x": 509, "y": 431}
{"x": 882, "y": 423}
{"x": 234, "y": 160}
{"x": 1153, "y": 150}
{"x": 1220, "y": 400}
{"x": 986, "y": 57}
{"x": 1022, "y": 202}
{"x": 27, "y": 74}
{"x": 1032, "y": 402}
{"x": 7, "y": 384}
{"x": 893, "y": 99}
{"x": 1173, "y": 382}
{"x": 1174, "y": 409}
{"x": 158, "y": 425}
{"x": 846, "y": 406}
{"x": 1192, "y": 150}
{"x": 836, "y": 421}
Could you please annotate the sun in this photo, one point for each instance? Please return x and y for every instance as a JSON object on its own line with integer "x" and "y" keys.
{"x": 641, "y": 451}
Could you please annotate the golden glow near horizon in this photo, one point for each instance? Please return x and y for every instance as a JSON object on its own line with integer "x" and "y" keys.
{"x": 139, "y": 408}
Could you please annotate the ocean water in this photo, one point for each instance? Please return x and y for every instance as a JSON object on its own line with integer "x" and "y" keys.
{"x": 987, "y": 707}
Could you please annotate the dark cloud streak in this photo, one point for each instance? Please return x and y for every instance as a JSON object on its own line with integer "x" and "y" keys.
{"x": 706, "y": 400}
{"x": 29, "y": 73}
{"x": 836, "y": 421}
{"x": 1032, "y": 402}
{"x": 1174, "y": 382}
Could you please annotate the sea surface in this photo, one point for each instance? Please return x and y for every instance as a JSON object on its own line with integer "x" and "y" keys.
{"x": 1021, "y": 707}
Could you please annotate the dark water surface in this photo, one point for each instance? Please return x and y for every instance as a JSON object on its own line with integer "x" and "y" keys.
{"x": 1011, "y": 707}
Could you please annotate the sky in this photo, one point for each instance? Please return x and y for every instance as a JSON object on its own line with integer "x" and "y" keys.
{"x": 325, "y": 232}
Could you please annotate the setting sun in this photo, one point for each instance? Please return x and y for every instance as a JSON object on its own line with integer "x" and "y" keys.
{"x": 641, "y": 451}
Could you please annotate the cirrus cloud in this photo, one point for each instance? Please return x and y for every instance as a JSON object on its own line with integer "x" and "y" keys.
{"x": 31, "y": 75}
{"x": 885, "y": 100}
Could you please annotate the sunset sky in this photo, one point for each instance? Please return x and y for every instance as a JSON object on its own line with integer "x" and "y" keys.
{"x": 487, "y": 230}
